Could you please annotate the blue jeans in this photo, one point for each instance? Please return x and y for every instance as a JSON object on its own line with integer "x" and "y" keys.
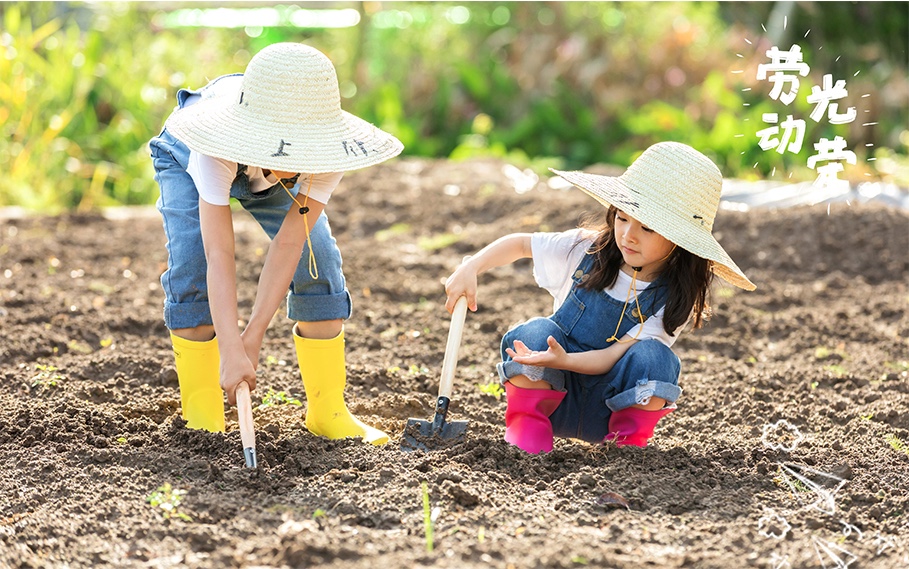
{"x": 185, "y": 280}
{"x": 648, "y": 369}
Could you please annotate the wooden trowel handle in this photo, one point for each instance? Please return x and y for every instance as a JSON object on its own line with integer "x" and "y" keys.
{"x": 451, "y": 349}
{"x": 245, "y": 418}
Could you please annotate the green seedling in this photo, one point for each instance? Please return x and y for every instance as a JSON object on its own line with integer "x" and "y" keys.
{"x": 274, "y": 398}
{"x": 396, "y": 229}
{"x": 436, "y": 242}
{"x": 47, "y": 376}
{"x": 899, "y": 366}
{"x": 896, "y": 443}
{"x": 168, "y": 499}
{"x": 319, "y": 513}
{"x": 836, "y": 369}
{"x": 493, "y": 388}
{"x": 78, "y": 347}
{"x": 427, "y": 518}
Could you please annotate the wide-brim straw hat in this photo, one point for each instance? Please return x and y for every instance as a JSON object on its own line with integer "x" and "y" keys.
{"x": 286, "y": 116}
{"x": 674, "y": 190}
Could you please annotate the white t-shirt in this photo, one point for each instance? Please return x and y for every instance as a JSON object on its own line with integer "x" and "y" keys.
{"x": 213, "y": 176}
{"x": 555, "y": 258}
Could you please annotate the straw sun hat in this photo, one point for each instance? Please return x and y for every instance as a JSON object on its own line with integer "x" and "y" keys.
{"x": 674, "y": 190}
{"x": 286, "y": 116}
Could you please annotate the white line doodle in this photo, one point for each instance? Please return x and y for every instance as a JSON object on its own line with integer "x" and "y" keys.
{"x": 831, "y": 550}
{"x": 778, "y": 562}
{"x": 824, "y": 497}
{"x": 773, "y": 525}
{"x": 883, "y": 543}
{"x": 781, "y": 435}
{"x": 849, "y": 528}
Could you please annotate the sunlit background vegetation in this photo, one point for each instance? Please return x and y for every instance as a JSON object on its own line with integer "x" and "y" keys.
{"x": 83, "y": 86}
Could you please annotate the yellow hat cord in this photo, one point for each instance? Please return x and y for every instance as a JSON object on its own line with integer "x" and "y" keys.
{"x": 632, "y": 290}
{"x": 313, "y": 269}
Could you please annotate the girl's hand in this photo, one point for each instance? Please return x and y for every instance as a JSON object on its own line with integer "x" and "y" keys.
{"x": 554, "y": 357}
{"x": 252, "y": 345}
{"x": 462, "y": 282}
{"x": 234, "y": 369}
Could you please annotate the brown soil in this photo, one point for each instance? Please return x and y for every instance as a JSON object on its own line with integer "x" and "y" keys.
{"x": 822, "y": 345}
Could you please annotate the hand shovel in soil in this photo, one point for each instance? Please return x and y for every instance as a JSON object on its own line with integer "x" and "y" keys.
{"x": 418, "y": 433}
{"x": 247, "y": 430}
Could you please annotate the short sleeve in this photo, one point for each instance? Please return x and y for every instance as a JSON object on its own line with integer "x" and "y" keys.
{"x": 555, "y": 256}
{"x": 653, "y": 329}
{"x": 212, "y": 176}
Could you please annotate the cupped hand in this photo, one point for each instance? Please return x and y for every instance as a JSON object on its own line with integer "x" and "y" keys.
{"x": 553, "y": 357}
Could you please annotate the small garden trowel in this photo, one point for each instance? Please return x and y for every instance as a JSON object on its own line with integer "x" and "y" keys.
{"x": 418, "y": 432}
{"x": 247, "y": 429}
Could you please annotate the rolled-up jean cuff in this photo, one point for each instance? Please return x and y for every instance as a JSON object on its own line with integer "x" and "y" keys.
{"x": 642, "y": 392}
{"x": 187, "y": 314}
{"x": 553, "y": 377}
{"x": 316, "y": 307}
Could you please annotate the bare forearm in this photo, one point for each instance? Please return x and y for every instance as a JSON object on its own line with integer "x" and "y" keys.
{"x": 218, "y": 240}
{"x": 596, "y": 362}
{"x": 280, "y": 265}
{"x": 502, "y": 251}
{"x": 222, "y": 297}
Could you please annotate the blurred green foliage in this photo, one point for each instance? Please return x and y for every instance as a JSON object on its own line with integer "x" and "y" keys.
{"x": 83, "y": 86}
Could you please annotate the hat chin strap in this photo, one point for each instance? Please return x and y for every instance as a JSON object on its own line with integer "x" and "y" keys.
{"x": 304, "y": 209}
{"x": 633, "y": 291}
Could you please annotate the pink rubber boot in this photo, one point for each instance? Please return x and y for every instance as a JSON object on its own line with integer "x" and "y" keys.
{"x": 527, "y": 423}
{"x": 632, "y": 426}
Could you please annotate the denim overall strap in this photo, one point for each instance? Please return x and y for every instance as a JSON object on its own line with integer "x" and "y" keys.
{"x": 589, "y": 317}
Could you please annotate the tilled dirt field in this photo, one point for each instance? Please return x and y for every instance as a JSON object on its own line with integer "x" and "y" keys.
{"x": 790, "y": 447}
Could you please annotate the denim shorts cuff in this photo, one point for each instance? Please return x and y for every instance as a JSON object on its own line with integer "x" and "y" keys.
{"x": 553, "y": 377}
{"x": 641, "y": 394}
{"x": 316, "y": 307}
{"x": 187, "y": 315}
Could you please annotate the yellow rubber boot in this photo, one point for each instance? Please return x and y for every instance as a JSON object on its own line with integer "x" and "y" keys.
{"x": 201, "y": 396}
{"x": 324, "y": 379}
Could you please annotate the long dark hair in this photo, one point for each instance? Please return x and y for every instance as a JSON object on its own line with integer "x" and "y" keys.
{"x": 687, "y": 276}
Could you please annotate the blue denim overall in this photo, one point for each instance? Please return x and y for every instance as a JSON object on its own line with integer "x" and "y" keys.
{"x": 184, "y": 282}
{"x": 584, "y": 322}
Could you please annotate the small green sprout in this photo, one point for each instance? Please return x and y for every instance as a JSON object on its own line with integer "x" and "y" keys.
{"x": 394, "y": 230}
{"x": 836, "y": 369}
{"x": 319, "y": 513}
{"x": 427, "y": 518}
{"x": 47, "y": 376}
{"x": 121, "y": 440}
{"x": 493, "y": 388}
{"x": 896, "y": 443}
{"x": 438, "y": 241}
{"x": 274, "y": 398}
{"x": 168, "y": 500}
